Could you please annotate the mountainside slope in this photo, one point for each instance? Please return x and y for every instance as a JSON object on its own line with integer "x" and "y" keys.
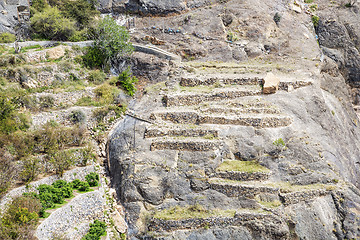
{"x": 218, "y": 159}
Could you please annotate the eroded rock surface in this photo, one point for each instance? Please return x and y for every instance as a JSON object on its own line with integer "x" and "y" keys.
{"x": 284, "y": 164}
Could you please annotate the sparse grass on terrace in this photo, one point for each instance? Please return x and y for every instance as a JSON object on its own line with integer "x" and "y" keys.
{"x": 273, "y": 204}
{"x": 284, "y": 187}
{"x": 241, "y": 166}
{"x": 195, "y": 211}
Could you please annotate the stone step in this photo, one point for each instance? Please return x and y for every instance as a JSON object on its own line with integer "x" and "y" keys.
{"x": 180, "y": 132}
{"x": 237, "y": 111}
{"x": 243, "y": 176}
{"x": 301, "y": 196}
{"x": 188, "y": 99}
{"x": 288, "y": 86}
{"x": 239, "y": 189}
{"x": 270, "y": 224}
{"x": 185, "y": 145}
{"x": 192, "y": 117}
{"x": 222, "y": 80}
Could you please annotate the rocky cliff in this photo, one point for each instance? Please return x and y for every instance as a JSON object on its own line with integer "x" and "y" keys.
{"x": 205, "y": 154}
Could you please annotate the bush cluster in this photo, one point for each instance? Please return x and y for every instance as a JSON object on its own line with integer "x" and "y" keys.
{"x": 48, "y": 139}
{"x": 49, "y": 195}
{"x": 10, "y": 119}
{"x": 92, "y": 179}
{"x": 64, "y": 20}
{"x": 20, "y": 219}
{"x": 77, "y": 116}
{"x": 111, "y": 41}
{"x": 97, "y": 229}
{"x": 127, "y": 82}
{"x": 7, "y": 37}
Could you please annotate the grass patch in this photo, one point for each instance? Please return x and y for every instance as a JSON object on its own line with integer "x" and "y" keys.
{"x": 210, "y": 136}
{"x": 37, "y": 46}
{"x": 193, "y": 211}
{"x": 241, "y": 166}
{"x": 273, "y": 204}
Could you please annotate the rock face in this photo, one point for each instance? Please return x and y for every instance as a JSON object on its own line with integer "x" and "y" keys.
{"x": 271, "y": 83}
{"x": 206, "y": 154}
{"x": 12, "y": 13}
{"x": 339, "y": 35}
{"x": 152, "y": 7}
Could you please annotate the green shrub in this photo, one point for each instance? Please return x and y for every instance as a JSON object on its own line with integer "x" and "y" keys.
{"x": 87, "y": 154}
{"x": 84, "y": 186}
{"x": 97, "y": 76}
{"x": 94, "y": 58}
{"x": 309, "y": 1}
{"x": 79, "y": 36}
{"x": 38, "y": 5}
{"x": 127, "y": 82}
{"x": 77, "y": 116}
{"x": 82, "y": 11}
{"x": 51, "y": 24}
{"x": 10, "y": 119}
{"x": 31, "y": 168}
{"x": 20, "y": 218}
{"x": 62, "y": 161}
{"x": 279, "y": 142}
{"x": 49, "y": 195}
{"x": 100, "y": 113}
{"x": 105, "y": 93}
{"x": 75, "y": 183}
{"x": 92, "y": 179}
{"x": 8, "y": 172}
{"x": 111, "y": 41}
{"x": 97, "y": 229}
{"x": 277, "y": 18}
{"x": 315, "y": 19}
{"x": 46, "y": 102}
{"x": 7, "y": 37}
{"x": 65, "y": 187}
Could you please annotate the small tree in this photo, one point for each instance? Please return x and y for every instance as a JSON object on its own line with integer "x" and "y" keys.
{"x": 31, "y": 168}
{"x": 51, "y": 24}
{"x": 110, "y": 42}
{"x": 8, "y": 172}
{"x": 62, "y": 161}
{"x": 127, "y": 82}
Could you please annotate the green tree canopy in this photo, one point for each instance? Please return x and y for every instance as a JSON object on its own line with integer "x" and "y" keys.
{"x": 111, "y": 41}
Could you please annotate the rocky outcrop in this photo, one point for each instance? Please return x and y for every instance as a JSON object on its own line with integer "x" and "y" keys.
{"x": 13, "y": 13}
{"x": 152, "y": 7}
{"x": 213, "y": 110}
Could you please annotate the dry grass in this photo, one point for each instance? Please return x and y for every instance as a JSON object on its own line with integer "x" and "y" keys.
{"x": 241, "y": 166}
{"x": 273, "y": 204}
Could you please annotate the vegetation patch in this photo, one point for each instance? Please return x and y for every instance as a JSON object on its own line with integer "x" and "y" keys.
{"x": 272, "y": 204}
{"x": 127, "y": 82}
{"x": 241, "y": 166}
{"x": 193, "y": 211}
{"x": 63, "y": 20}
{"x": 54, "y": 195}
{"x": 7, "y": 37}
{"x": 20, "y": 219}
{"x": 97, "y": 229}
